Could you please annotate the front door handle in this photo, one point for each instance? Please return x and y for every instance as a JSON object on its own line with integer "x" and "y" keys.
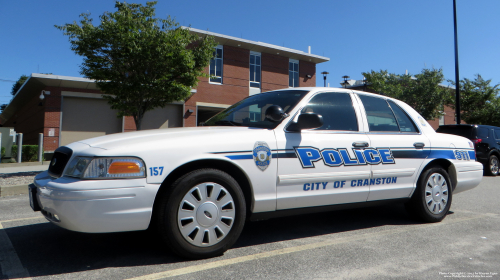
{"x": 419, "y": 145}
{"x": 360, "y": 144}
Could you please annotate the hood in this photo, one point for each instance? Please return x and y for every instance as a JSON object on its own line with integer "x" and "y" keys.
{"x": 192, "y": 135}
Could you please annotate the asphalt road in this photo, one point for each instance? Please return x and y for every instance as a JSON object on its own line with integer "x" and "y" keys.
{"x": 371, "y": 243}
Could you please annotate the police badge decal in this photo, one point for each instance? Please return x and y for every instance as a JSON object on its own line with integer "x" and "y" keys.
{"x": 261, "y": 155}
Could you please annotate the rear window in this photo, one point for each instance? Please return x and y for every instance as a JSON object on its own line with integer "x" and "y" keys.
{"x": 405, "y": 123}
{"x": 482, "y": 132}
{"x": 465, "y": 131}
{"x": 497, "y": 133}
{"x": 379, "y": 114}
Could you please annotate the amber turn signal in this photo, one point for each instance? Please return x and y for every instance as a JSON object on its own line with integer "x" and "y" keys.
{"x": 124, "y": 167}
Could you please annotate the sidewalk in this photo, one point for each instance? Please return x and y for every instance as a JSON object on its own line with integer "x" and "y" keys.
{"x": 10, "y": 168}
{"x": 23, "y": 167}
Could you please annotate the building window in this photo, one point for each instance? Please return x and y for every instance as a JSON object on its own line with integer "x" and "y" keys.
{"x": 255, "y": 69}
{"x": 216, "y": 66}
{"x": 293, "y": 73}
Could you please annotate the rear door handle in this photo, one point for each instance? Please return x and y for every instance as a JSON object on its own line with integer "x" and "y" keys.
{"x": 360, "y": 144}
{"x": 419, "y": 145}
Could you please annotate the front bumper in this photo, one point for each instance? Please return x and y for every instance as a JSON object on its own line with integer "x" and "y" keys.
{"x": 96, "y": 205}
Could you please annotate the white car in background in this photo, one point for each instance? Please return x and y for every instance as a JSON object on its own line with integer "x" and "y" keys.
{"x": 291, "y": 151}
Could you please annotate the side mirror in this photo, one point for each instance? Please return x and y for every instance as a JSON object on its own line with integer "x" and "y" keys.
{"x": 275, "y": 113}
{"x": 306, "y": 121}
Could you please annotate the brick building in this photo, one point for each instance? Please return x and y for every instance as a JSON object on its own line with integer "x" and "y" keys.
{"x": 67, "y": 109}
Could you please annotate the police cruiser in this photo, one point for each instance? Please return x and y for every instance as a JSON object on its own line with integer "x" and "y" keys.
{"x": 291, "y": 151}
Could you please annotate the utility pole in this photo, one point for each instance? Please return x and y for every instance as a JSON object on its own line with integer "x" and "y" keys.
{"x": 457, "y": 77}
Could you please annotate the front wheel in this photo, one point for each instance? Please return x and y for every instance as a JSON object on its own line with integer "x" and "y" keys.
{"x": 492, "y": 166}
{"x": 431, "y": 200}
{"x": 202, "y": 214}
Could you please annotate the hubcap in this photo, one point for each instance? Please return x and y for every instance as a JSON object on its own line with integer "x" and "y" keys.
{"x": 436, "y": 193}
{"x": 206, "y": 214}
{"x": 494, "y": 165}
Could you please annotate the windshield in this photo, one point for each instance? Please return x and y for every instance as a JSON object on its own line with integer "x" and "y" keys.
{"x": 251, "y": 110}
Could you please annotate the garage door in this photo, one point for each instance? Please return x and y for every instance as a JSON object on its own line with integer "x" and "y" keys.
{"x": 168, "y": 116}
{"x": 84, "y": 118}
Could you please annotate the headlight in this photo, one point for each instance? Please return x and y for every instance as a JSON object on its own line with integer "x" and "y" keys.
{"x": 106, "y": 168}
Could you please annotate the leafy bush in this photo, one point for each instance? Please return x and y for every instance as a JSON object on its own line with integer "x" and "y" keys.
{"x": 29, "y": 152}
{"x": 3, "y": 152}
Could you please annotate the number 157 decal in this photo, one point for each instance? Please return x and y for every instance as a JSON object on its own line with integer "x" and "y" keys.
{"x": 156, "y": 171}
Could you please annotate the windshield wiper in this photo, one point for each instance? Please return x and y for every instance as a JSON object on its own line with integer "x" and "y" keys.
{"x": 225, "y": 122}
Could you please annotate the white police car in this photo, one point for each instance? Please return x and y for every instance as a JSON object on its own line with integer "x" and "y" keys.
{"x": 291, "y": 151}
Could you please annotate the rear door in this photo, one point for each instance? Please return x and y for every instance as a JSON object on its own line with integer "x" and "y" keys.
{"x": 404, "y": 148}
{"x": 497, "y": 138}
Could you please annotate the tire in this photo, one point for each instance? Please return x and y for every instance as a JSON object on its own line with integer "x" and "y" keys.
{"x": 202, "y": 214}
{"x": 491, "y": 167}
{"x": 432, "y": 198}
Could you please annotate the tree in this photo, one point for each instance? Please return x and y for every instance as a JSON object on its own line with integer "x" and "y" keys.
{"x": 422, "y": 91}
{"x": 140, "y": 62}
{"x": 18, "y": 84}
{"x": 479, "y": 101}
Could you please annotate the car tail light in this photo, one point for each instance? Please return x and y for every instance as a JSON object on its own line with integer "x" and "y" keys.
{"x": 476, "y": 141}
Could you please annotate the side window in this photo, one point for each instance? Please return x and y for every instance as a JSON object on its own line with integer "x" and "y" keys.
{"x": 497, "y": 133}
{"x": 482, "y": 132}
{"x": 337, "y": 111}
{"x": 379, "y": 114}
{"x": 255, "y": 69}
{"x": 216, "y": 65}
{"x": 404, "y": 121}
{"x": 293, "y": 73}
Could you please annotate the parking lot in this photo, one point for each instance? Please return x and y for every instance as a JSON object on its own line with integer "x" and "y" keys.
{"x": 371, "y": 243}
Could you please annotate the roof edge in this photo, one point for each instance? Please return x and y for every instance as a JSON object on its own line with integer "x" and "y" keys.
{"x": 261, "y": 44}
{"x": 59, "y": 77}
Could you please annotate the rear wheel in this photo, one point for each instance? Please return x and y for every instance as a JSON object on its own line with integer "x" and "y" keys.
{"x": 202, "y": 214}
{"x": 492, "y": 166}
{"x": 431, "y": 200}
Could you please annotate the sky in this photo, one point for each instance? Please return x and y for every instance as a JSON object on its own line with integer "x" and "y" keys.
{"x": 357, "y": 35}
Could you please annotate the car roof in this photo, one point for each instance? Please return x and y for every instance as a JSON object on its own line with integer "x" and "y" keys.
{"x": 335, "y": 89}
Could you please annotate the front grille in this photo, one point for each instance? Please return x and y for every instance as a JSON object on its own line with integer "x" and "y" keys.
{"x": 59, "y": 161}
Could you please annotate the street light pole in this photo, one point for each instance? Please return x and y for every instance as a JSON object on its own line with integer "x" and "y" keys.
{"x": 345, "y": 83}
{"x": 457, "y": 81}
{"x": 324, "y": 76}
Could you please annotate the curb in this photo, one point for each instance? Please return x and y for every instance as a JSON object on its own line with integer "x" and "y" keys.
{"x": 13, "y": 190}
